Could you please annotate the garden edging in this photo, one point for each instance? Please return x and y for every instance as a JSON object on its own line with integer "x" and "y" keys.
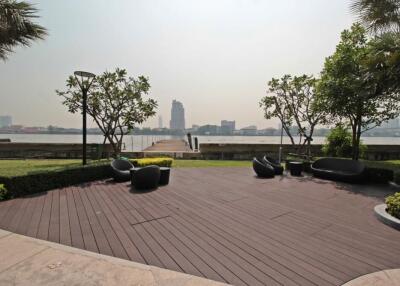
{"x": 385, "y": 217}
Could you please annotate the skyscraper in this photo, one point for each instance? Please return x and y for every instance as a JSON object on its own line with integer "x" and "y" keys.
{"x": 177, "y": 116}
{"x": 5, "y": 121}
{"x": 160, "y": 123}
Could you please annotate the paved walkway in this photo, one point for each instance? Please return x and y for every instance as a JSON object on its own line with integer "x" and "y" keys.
{"x": 169, "y": 146}
{"x": 381, "y": 278}
{"x": 222, "y": 224}
{"x": 28, "y": 261}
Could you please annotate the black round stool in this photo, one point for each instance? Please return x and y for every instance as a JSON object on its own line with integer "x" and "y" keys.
{"x": 164, "y": 175}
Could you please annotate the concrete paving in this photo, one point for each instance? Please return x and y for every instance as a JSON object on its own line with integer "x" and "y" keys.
{"x": 29, "y": 261}
{"x": 381, "y": 278}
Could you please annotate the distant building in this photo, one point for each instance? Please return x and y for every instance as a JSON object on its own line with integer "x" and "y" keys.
{"x": 249, "y": 130}
{"x": 5, "y": 121}
{"x": 227, "y": 127}
{"x": 208, "y": 129}
{"x": 160, "y": 122}
{"x": 177, "y": 116}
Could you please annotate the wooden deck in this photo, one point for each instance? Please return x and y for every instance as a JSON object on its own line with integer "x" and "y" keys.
{"x": 223, "y": 224}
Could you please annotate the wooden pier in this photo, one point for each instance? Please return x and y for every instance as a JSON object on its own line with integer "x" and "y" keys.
{"x": 169, "y": 146}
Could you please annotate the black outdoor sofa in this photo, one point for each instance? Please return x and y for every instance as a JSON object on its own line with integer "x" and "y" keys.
{"x": 121, "y": 170}
{"x": 339, "y": 170}
{"x": 263, "y": 169}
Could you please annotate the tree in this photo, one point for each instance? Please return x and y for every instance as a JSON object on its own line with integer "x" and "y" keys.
{"x": 115, "y": 102}
{"x": 339, "y": 143}
{"x": 292, "y": 101}
{"x": 16, "y": 26}
{"x": 352, "y": 89}
{"x": 378, "y": 16}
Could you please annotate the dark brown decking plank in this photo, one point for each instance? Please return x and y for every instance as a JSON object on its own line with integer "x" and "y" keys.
{"x": 179, "y": 259}
{"x": 87, "y": 233}
{"x": 25, "y": 221}
{"x": 120, "y": 227}
{"x": 75, "y": 227}
{"x": 18, "y": 215}
{"x": 198, "y": 247}
{"x": 102, "y": 215}
{"x": 269, "y": 264}
{"x": 54, "y": 225}
{"x": 33, "y": 226}
{"x": 165, "y": 259}
{"x": 43, "y": 230}
{"x": 216, "y": 216}
{"x": 65, "y": 233}
{"x": 250, "y": 222}
{"x": 260, "y": 262}
{"x": 124, "y": 217}
{"x": 101, "y": 240}
{"x": 201, "y": 265}
{"x": 4, "y": 207}
{"x": 11, "y": 210}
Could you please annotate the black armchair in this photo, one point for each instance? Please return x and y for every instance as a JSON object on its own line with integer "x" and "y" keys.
{"x": 278, "y": 169}
{"x": 146, "y": 178}
{"x": 263, "y": 169}
{"x": 120, "y": 169}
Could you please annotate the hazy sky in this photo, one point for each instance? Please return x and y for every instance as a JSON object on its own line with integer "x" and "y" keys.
{"x": 216, "y": 56}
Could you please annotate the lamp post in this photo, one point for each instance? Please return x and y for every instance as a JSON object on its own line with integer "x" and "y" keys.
{"x": 280, "y": 146}
{"x": 85, "y": 80}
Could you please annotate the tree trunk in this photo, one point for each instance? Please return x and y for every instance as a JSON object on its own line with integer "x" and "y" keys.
{"x": 358, "y": 141}
{"x": 354, "y": 140}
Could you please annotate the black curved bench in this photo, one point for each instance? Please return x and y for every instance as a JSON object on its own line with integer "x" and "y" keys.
{"x": 120, "y": 169}
{"x": 263, "y": 169}
{"x": 278, "y": 169}
{"x": 336, "y": 169}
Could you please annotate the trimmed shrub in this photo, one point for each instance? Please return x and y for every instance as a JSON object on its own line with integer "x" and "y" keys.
{"x": 4, "y": 195}
{"x": 339, "y": 143}
{"x": 378, "y": 175}
{"x": 393, "y": 205}
{"x": 161, "y": 162}
{"x": 34, "y": 183}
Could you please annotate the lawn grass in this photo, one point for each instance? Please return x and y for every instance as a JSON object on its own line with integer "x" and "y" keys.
{"x": 10, "y": 168}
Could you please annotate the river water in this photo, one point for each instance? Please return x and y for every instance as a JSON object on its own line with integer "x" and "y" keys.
{"x": 140, "y": 142}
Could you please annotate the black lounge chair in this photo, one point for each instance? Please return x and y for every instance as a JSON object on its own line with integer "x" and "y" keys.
{"x": 263, "y": 169}
{"x": 121, "y": 169}
{"x": 338, "y": 170}
{"x": 278, "y": 169}
{"x": 146, "y": 178}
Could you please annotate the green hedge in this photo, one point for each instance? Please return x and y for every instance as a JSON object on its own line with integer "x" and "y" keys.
{"x": 29, "y": 184}
{"x": 161, "y": 162}
{"x": 393, "y": 205}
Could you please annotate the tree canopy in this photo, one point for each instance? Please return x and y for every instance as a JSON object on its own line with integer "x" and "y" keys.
{"x": 115, "y": 102}
{"x": 17, "y": 27}
{"x": 353, "y": 87}
{"x": 378, "y": 16}
{"x": 292, "y": 100}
